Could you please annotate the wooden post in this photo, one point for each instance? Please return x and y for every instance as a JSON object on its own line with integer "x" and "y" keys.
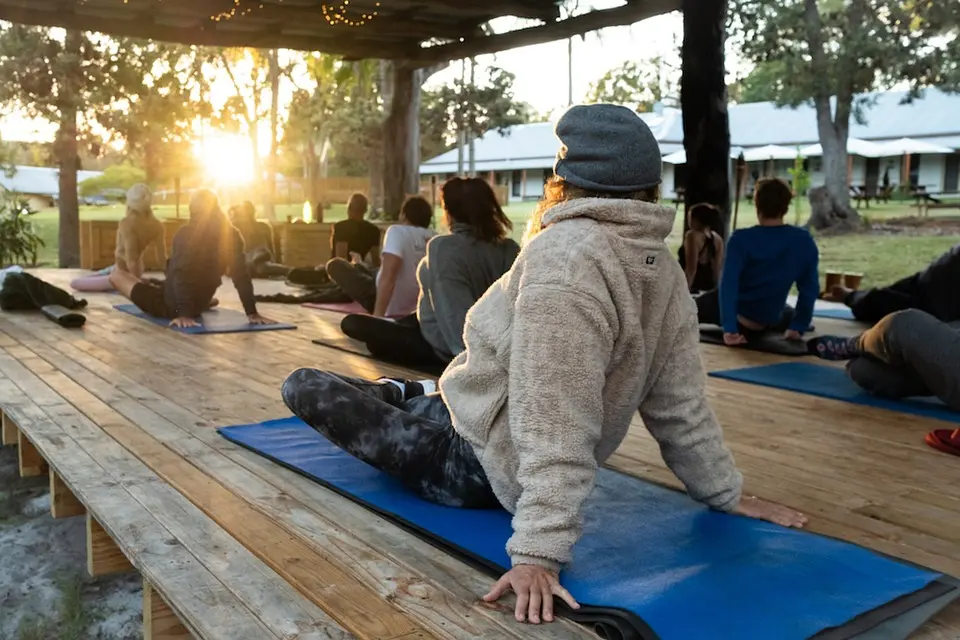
{"x": 176, "y": 194}
{"x": 103, "y": 555}
{"x": 9, "y": 431}
{"x": 31, "y": 462}
{"x": 63, "y": 504}
{"x": 396, "y": 138}
{"x": 703, "y": 99}
{"x": 159, "y": 620}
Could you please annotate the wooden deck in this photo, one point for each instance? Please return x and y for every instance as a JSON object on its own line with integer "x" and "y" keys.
{"x": 232, "y": 546}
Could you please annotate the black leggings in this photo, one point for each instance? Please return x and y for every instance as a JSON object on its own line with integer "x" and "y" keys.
{"x": 412, "y": 440}
{"x": 399, "y": 342}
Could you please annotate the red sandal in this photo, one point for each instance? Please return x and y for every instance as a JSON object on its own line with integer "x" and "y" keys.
{"x": 945, "y": 440}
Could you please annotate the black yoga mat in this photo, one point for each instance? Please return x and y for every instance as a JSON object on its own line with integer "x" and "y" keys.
{"x": 771, "y": 343}
{"x": 63, "y": 316}
{"x": 357, "y": 348}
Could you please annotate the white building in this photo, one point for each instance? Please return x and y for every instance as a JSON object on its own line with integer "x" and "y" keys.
{"x": 522, "y": 158}
{"x": 39, "y": 185}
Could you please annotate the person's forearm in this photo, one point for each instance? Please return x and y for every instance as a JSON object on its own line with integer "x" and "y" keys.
{"x": 384, "y": 294}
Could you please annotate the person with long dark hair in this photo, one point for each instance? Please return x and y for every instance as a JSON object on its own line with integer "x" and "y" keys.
{"x": 204, "y": 250}
{"x": 591, "y": 324}
{"x": 457, "y": 270}
{"x": 701, "y": 254}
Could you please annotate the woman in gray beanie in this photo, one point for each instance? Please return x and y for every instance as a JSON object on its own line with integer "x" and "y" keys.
{"x": 138, "y": 230}
{"x": 592, "y": 323}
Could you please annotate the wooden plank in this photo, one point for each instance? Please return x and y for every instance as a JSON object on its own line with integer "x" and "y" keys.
{"x": 104, "y": 557}
{"x": 457, "y": 613}
{"x": 29, "y": 460}
{"x": 159, "y": 620}
{"x": 63, "y": 504}
{"x": 9, "y": 430}
{"x": 164, "y": 554}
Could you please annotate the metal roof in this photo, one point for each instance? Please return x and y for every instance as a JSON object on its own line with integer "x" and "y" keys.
{"x": 933, "y": 118}
{"x": 38, "y": 181}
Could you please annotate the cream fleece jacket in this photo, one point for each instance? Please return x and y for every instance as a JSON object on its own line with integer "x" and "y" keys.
{"x": 592, "y": 323}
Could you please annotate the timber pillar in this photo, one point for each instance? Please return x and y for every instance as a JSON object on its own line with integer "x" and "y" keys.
{"x": 703, "y": 99}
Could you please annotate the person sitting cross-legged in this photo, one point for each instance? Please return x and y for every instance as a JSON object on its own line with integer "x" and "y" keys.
{"x": 907, "y": 354}
{"x": 762, "y": 263}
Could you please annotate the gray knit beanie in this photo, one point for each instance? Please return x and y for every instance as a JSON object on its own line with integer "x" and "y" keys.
{"x": 139, "y": 198}
{"x": 607, "y": 148}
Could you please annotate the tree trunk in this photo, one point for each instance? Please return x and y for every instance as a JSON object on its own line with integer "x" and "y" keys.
{"x": 270, "y": 194}
{"x": 703, "y": 99}
{"x": 412, "y": 177}
{"x": 831, "y": 209}
{"x": 397, "y": 139}
{"x": 68, "y": 202}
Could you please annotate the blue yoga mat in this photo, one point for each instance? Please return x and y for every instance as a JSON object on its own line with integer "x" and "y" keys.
{"x": 215, "y": 321}
{"x": 839, "y": 313}
{"x": 651, "y": 563}
{"x": 833, "y": 383}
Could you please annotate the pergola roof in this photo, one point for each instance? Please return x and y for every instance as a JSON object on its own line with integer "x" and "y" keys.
{"x": 422, "y": 31}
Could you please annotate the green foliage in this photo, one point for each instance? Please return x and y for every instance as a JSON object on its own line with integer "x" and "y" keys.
{"x": 162, "y": 91}
{"x": 638, "y": 85}
{"x": 487, "y": 105}
{"x": 119, "y": 176}
{"x": 805, "y": 49}
{"x": 801, "y": 182}
{"x": 763, "y": 84}
{"x": 19, "y": 242}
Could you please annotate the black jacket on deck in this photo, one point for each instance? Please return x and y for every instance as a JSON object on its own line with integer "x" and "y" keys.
{"x": 203, "y": 252}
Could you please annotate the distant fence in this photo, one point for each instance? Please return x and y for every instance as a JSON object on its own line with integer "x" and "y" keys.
{"x": 330, "y": 191}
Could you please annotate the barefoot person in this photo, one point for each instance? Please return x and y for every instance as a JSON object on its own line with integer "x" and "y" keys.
{"x": 592, "y": 323}
{"x": 761, "y": 265}
{"x": 204, "y": 250}
{"x": 701, "y": 255}
{"x": 138, "y": 230}
{"x": 933, "y": 290}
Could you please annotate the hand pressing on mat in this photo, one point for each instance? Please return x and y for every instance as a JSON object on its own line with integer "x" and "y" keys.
{"x": 752, "y": 507}
{"x": 535, "y": 588}
{"x": 792, "y": 334}
{"x": 256, "y": 318}
{"x": 733, "y": 339}
{"x": 184, "y": 323}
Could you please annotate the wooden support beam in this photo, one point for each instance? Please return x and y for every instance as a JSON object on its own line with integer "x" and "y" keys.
{"x": 9, "y": 431}
{"x": 63, "y": 504}
{"x": 397, "y": 138}
{"x": 103, "y": 555}
{"x": 30, "y": 461}
{"x": 598, "y": 19}
{"x": 703, "y": 99}
{"x": 159, "y": 620}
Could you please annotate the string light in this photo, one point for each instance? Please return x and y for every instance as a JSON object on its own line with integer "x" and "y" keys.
{"x": 341, "y": 15}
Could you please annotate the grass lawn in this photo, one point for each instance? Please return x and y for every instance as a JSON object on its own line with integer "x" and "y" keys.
{"x": 881, "y": 258}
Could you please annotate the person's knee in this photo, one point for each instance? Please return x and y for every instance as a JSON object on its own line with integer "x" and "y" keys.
{"x": 906, "y": 322}
{"x": 336, "y": 266}
{"x": 303, "y": 385}
{"x": 356, "y": 326}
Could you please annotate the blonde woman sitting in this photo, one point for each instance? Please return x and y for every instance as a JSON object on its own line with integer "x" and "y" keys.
{"x": 138, "y": 230}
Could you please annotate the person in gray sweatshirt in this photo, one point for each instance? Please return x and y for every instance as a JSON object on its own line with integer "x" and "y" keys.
{"x": 458, "y": 268}
{"x": 591, "y": 324}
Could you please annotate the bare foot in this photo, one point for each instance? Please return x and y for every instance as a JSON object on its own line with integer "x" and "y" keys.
{"x": 837, "y": 293}
{"x": 214, "y": 303}
{"x": 752, "y": 507}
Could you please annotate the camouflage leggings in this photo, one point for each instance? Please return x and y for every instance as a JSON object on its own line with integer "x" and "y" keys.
{"x": 412, "y": 440}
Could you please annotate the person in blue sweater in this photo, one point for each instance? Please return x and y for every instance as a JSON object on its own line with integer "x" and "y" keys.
{"x": 762, "y": 264}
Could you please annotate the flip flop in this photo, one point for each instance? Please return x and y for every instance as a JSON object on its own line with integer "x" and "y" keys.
{"x": 945, "y": 440}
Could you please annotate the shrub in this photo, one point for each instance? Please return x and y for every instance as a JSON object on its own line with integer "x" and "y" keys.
{"x": 19, "y": 242}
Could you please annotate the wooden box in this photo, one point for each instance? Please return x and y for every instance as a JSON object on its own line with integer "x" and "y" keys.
{"x": 304, "y": 245}
{"x": 98, "y": 243}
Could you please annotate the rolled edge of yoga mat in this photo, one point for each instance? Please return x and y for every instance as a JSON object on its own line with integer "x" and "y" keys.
{"x": 63, "y": 316}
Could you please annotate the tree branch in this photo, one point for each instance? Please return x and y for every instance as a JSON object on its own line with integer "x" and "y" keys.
{"x": 236, "y": 86}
